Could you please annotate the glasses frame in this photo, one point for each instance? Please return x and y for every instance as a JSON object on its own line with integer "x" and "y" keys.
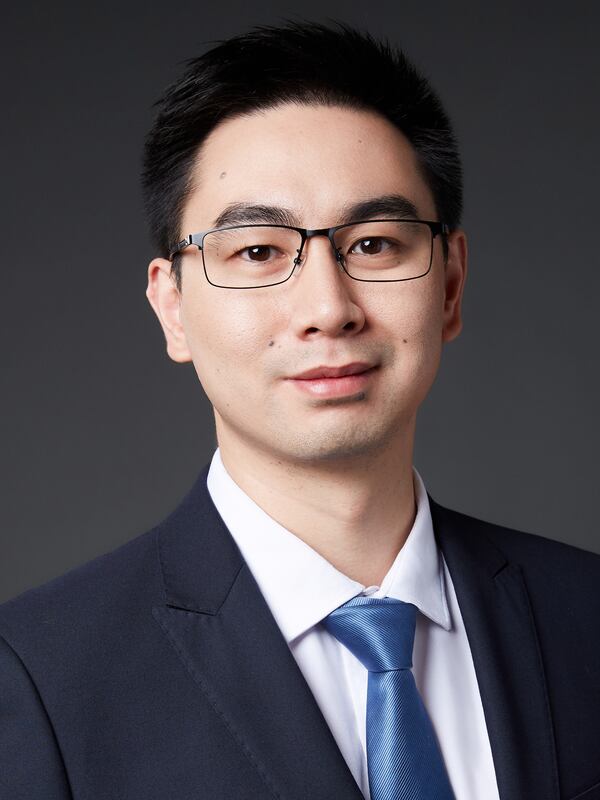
{"x": 197, "y": 239}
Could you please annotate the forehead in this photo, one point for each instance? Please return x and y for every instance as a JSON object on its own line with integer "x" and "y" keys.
{"x": 312, "y": 159}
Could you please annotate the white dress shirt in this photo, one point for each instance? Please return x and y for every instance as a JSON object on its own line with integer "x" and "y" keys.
{"x": 301, "y": 588}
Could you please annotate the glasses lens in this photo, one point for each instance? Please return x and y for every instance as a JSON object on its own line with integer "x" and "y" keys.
{"x": 250, "y": 255}
{"x": 385, "y": 251}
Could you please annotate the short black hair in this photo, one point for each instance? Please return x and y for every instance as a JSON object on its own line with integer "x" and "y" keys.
{"x": 303, "y": 62}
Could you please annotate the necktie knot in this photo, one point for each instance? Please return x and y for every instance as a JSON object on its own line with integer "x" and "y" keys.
{"x": 379, "y": 631}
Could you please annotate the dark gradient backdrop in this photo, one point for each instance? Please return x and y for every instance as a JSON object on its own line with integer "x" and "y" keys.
{"x": 102, "y": 434}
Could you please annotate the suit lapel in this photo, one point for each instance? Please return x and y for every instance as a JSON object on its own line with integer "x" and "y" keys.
{"x": 495, "y": 607}
{"x": 220, "y": 625}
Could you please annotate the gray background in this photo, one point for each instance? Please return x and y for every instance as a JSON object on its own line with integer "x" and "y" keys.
{"x": 102, "y": 434}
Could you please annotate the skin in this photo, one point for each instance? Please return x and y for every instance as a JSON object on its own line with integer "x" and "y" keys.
{"x": 336, "y": 474}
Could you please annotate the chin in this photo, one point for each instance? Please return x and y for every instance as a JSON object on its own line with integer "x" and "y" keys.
{"x": 325, "y": 446}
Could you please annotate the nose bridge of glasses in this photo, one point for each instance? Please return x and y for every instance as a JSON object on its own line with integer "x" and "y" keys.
{"x": 312, "y": 233}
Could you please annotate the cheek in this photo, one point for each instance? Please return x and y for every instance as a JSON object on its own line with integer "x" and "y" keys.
{"x": 226, "y": 337}
{"x": 424, "y": 338}
{"x": 426, "y": 349}
{"x": 410, "y": 325}
{"x": 408, "y": 315}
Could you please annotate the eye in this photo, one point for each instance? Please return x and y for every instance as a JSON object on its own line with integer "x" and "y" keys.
{"x": 372, "y": 246}
{"x": 258, "y": 252}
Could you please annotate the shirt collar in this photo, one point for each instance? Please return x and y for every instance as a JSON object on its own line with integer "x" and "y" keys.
{"x": 300, "y": 586}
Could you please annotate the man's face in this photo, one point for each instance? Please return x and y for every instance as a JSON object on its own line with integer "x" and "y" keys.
{"x": 248, "y": 345}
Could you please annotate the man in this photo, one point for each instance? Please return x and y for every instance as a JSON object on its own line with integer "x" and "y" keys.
{"x": 308, "y": 623}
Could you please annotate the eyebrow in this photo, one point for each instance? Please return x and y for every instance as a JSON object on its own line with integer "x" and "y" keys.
{"x": 391, "y": 205}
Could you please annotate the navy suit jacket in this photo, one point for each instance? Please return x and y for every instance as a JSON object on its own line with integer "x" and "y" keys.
{"x": 157, "y": 671}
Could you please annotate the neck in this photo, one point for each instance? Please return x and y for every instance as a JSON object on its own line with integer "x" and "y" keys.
{"x": 356, "y": 512}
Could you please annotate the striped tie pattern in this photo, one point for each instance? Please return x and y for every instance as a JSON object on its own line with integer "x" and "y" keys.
{"x": 403, "y": 756}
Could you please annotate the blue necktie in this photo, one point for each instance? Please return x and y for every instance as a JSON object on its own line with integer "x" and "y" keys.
{"x": 403, "y": 757}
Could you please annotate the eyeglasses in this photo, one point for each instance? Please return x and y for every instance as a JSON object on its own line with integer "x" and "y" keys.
{"x": 255, "y": 256}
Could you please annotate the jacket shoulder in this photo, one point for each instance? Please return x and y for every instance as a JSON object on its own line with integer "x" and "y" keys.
{"x": 75, "y": 603}
{"x": 547, "y": 564}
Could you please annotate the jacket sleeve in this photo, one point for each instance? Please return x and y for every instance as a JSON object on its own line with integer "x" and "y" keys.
{"x": 31, "y": 766}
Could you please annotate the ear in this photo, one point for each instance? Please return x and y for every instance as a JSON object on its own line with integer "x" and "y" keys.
{"x": 454, "y": 283}
{"x": 165, "y": 299}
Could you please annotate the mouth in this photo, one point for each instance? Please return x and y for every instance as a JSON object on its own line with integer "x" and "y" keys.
{"x": 329, "y": 382}
{"x": 356, "y": 368}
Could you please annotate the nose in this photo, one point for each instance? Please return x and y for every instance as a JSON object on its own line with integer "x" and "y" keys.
{"x": 324, "y": 300}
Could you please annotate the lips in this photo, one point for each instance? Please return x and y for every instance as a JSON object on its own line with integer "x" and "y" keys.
{"x": 333, "y": 372}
